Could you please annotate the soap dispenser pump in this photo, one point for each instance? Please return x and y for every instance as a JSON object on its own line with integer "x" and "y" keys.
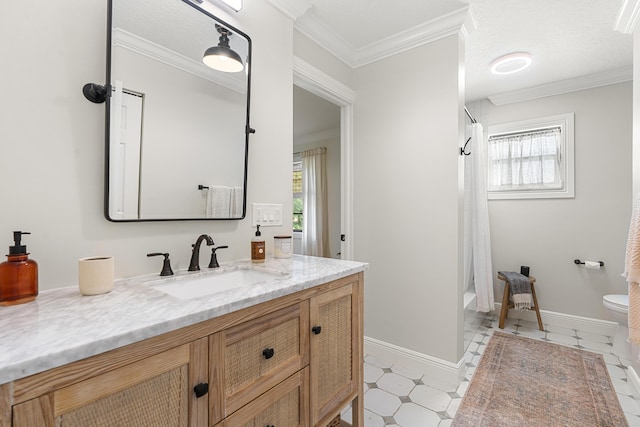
{"x": 18, "y": 275}
{"x": 257, "y": 247}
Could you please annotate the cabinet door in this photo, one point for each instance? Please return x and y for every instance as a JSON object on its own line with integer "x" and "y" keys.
{"x": 335, "y": 358}
{"x": 152, "y": 392}
{"x": 250, "y": 358}
{"x": 285, "y": 405}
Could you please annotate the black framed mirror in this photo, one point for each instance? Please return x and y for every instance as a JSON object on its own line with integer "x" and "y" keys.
{"x": 177, "y": 130}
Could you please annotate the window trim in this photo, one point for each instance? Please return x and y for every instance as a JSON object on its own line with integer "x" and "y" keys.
{"x": 566, "y": 123}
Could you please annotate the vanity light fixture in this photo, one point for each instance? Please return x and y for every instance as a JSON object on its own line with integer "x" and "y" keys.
{"x": 511, "y": 63}
{"x": 222, "y": 57}
{"x": 233, "y": 4}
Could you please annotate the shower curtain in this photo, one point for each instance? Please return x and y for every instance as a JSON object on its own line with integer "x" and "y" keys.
{"x": 477, "y": 240}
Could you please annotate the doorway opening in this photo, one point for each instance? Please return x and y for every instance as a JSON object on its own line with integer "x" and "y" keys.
{"x": 313, "y": 81}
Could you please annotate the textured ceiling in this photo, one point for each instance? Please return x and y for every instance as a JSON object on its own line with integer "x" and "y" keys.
{"x": 363, "y": 22}
{"x": 567, "y": 38}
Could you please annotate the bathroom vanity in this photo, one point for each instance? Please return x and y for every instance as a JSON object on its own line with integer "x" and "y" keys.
{"x": 282, "y": 352}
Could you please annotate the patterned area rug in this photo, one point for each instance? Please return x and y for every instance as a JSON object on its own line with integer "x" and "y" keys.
{"x": 526, "y": 382}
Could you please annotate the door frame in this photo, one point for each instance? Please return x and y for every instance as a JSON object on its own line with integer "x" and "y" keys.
{"x": 317, "y": 82}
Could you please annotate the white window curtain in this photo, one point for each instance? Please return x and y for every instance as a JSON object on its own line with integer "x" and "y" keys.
{"x": 315, "y": 232}
{"x": 526, "y": 160}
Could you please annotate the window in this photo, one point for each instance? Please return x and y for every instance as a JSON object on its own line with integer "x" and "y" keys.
{"x": 297, "y": 193}
{"x": 531, "y": 159}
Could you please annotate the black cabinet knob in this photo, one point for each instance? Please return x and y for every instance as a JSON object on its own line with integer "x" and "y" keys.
{"x": 316, "y": 330}
{"x": 201, "y": 389}
{"x": 268, "y": 353}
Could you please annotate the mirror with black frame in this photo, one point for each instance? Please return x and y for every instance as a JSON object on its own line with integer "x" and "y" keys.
{"x": 177, "y": 129}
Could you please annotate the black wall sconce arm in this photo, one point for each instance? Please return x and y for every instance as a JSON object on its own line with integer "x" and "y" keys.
{"x": 95, "y": 93}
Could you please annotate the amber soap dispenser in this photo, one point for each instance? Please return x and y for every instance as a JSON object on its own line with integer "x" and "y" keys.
{"x": 257, "y": 247}
{"x": 18, "y": 275}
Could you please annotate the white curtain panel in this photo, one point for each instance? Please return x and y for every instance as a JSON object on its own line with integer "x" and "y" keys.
{"x": 315, "y": 231}
{"x": 528, "y": 160}
{"x": 478, "y": 270}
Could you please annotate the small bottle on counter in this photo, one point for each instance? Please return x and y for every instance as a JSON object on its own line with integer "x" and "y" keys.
{"x": 257, "y": 247}
{"x": 18, "y": 275}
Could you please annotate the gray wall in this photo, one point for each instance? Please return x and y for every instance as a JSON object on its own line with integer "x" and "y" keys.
{"x": 548, "y": 234}
{"x": 406, "y": 197}
{"x": 51, "y": 156}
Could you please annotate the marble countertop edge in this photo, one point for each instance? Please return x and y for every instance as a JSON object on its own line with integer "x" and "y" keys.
{"x": 37, "y": 349}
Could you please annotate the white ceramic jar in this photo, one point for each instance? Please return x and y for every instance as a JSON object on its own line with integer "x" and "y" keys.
{"x": 282, "y": 247}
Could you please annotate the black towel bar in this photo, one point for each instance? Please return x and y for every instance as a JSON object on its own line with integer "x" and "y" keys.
{"x": 202, "y": 187}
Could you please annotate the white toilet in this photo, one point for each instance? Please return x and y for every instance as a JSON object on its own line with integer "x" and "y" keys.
{"x": 617, "y": 306}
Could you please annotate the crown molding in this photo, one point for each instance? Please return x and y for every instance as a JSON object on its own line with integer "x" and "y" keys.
{"x": 591, "y": 81}
{"x": 315, "y": 29}
{"x": 169, "y": 57}
{"x": 469, "y": 25}
{"x": 294, "y": 9}
{"x": 628, "y": 18}
{"x": 436, "y": 29}
{"x": 461, "y": 20}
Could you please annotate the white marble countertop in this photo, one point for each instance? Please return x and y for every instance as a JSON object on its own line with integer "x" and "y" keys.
{"x": 62, "y": 326}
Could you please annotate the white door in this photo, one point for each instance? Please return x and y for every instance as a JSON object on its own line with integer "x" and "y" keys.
{"x": 124, "y": 156}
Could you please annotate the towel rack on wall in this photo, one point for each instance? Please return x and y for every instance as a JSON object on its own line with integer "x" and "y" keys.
{"x": 202, "y": 187}
{"x": 577, "y": 261}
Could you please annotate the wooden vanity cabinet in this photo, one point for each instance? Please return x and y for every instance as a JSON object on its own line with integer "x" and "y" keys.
{"x": 155, "y": 391}
{"x": 295, "y": 361}
{"x": 336, "y": 351}
{"x": 248, "y": 359}
{"x": 285, "y": 405}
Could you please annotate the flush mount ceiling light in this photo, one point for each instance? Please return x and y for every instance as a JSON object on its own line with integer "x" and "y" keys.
{"x": 222, "y": 57}
{"x": 511, "y": 63}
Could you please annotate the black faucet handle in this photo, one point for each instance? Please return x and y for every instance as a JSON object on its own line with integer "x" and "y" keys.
{"x": 166, "y": 265}
{"x": 213, "y": 263}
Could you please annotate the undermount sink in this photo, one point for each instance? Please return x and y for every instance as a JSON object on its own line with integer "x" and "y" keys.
{"x": 187, "y": 287}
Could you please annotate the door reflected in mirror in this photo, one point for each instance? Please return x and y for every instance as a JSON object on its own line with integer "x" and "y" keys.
{"x": 177, "y": 128}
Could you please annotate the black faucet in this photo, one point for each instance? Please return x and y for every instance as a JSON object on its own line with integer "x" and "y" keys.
{"x": 194, "y": 264}
{"x": 166, "y": 265}
{"x": 213, "y": 263}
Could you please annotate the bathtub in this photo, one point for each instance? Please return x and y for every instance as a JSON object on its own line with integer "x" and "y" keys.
{"x": 472, "y": 319}
{"x": 469, "y": 301}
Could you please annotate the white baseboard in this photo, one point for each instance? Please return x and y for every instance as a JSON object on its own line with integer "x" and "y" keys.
{"x": 569, "y": 321}
{"x": 440, "y": 373}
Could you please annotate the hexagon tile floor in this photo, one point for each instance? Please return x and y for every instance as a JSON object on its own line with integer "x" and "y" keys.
{"x": 395, "y": 396}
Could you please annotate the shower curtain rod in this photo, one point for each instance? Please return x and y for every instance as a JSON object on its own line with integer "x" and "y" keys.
{"x": 473, "y": 120}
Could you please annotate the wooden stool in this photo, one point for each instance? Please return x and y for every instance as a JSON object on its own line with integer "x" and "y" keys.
{"x": 507, "y": 304}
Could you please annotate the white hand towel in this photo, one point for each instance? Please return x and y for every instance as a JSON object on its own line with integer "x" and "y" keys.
{"x": 237, "y": 201}
{"x": 218, "y": 201}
